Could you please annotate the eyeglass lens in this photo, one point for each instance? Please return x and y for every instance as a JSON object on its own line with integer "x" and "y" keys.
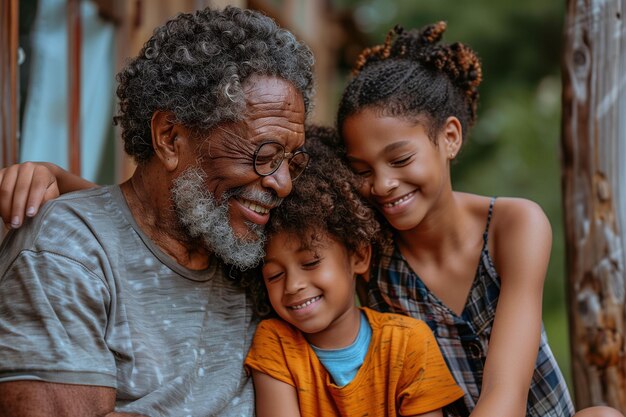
{"x": 270, "y": 155}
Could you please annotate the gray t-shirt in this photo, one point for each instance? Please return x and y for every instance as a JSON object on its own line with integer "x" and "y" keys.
{"x": 87, "y": 298}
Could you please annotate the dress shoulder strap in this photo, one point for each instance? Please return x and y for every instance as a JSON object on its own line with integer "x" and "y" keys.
{"x": 486, "y": 232}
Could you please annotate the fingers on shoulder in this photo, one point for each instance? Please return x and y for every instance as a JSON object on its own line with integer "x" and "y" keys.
{"x": 23, "y": 189}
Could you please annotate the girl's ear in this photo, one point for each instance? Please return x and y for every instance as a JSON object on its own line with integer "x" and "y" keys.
{"x": 165, "y": 139}
{"x": 361, "y": 259}
{"x": 453, "y": 136}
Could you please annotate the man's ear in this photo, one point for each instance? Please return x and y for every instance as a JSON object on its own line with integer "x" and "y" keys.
{"x": 165, "y": 139}
{"x": 453, "y": 136}
{"x": 361, "y": 259}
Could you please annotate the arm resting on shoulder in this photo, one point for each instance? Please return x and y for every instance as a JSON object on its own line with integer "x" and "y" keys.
{"x": 44, "y": 399}
{"x": 274, "y": 398}
{"x": 25, "y": 187}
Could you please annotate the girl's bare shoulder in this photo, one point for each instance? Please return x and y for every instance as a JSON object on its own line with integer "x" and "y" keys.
{"x": 515, "y": 212}
{"x": 506, "y": 210}
{"x": 513, "y": 219}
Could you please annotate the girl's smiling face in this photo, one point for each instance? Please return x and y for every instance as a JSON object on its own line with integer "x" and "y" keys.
{"x": 313, "y": 288}
{"x": 404, "y": 172}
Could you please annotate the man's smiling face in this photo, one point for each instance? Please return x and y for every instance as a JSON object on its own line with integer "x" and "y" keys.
{"x": 221, "y": 199}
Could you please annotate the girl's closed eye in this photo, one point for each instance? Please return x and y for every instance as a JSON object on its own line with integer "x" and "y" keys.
{"x": 402, "y": 161}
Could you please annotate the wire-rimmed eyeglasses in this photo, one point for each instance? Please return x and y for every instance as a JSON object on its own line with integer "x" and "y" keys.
{"x": 269, "y": 156}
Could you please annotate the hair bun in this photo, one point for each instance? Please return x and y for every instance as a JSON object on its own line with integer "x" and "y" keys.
{"x": 420, "y": 53}
{"x": 432, "y": 34}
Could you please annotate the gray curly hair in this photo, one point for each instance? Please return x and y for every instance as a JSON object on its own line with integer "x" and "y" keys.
{"x": 194, "y": 66}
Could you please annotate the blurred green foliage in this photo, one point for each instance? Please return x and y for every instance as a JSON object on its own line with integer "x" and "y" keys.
{"x": 514, "y": 148}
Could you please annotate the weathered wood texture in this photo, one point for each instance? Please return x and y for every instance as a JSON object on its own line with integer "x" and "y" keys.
{"x": 8, "y": 81}
{"x": 8, "y": 86}
{"x": 594, "y": 197}
{"x": 74, "y": 42}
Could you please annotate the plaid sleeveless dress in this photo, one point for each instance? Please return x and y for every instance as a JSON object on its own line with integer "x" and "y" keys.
{"x": 464, "y": 339}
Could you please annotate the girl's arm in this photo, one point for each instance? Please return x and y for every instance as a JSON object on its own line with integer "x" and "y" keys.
{"x": 522, "y": 242}
{"x": 274, "y": 398}
{"x": 25, "y": 187}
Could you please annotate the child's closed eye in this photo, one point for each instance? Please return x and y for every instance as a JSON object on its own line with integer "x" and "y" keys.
{"x": 272, "y": 277}
{"x": 361, "y": 171}
{"x": 312, "y": 263}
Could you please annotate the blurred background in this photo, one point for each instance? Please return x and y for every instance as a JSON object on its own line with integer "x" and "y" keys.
{"x": 512, "y": 151}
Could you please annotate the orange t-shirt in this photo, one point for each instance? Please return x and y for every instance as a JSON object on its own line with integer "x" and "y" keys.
{"x": 403, "y": 373}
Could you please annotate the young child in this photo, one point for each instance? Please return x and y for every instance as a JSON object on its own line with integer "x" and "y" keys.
{"x": 472, "y": 267}
{"x": 324, "y": 356}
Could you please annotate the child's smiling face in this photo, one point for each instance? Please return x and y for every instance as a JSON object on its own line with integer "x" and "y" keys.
{"x": 405, "y": 173}
{"x": 313, "y": 288}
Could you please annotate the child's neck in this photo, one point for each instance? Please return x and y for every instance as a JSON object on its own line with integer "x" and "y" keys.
{"x": 342, "y": 332}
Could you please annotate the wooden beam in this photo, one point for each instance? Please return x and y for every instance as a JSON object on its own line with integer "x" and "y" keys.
{"x": 594, "y": 197}
{"x": 9, "y": 81}
{"x": 8, "y": 85}
{"x": 74, "y": 37}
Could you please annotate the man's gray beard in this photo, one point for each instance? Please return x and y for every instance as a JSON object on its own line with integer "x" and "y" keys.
{"x": 203, "y": 217}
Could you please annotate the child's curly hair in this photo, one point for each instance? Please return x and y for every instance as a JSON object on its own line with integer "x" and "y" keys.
{"x": 324, "y": 202}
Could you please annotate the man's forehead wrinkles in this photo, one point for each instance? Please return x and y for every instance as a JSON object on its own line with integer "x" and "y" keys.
{"x": 282, "y": 105}
{"x": 271, "y": 114}
{"x": 271, "y": 98}
{"x": 264, "y": 123}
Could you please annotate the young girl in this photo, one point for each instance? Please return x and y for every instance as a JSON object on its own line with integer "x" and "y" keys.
{"x": 325, "y": 356}
{"x": 472, "y": 267}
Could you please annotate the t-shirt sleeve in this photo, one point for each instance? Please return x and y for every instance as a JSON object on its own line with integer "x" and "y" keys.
{"x": 426, "y": 383}
{"x": 53, "y": 322}
{"x": 270, "y": 350}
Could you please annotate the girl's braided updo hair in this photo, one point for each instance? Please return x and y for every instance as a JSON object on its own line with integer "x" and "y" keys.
{"x": 411, "y": 76}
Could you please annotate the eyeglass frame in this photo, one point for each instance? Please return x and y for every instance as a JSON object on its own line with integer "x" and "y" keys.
{"x": 285, "y": 156}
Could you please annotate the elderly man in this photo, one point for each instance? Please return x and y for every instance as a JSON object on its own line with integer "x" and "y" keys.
{"x": 117, "y": 300}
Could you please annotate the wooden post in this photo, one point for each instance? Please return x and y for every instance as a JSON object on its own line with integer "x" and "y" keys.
{"x": 9, "y": 81}
{"x": 594, "y": 197}
{"x": 8, "y": 86}
{"x": 74, "y": 37}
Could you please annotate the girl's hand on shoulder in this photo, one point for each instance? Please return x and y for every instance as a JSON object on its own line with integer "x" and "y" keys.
{"x": 23, "y": 189}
